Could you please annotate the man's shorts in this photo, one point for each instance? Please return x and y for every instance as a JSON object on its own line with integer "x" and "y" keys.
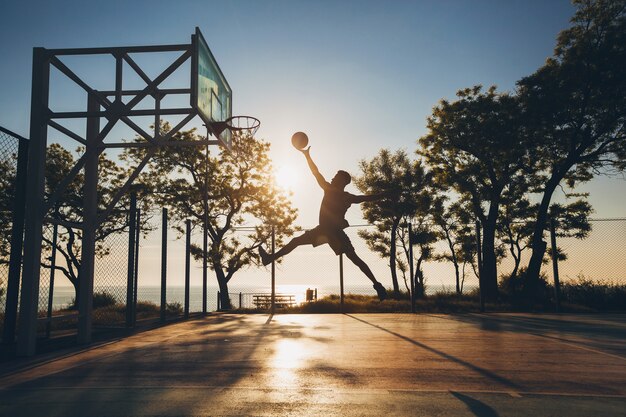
{"x": 336, "y": 238}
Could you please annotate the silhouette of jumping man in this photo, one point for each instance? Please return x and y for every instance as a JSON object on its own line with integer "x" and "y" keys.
{"x": 334, "y": 206}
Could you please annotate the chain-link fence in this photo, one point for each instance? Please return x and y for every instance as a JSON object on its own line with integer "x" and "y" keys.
{"x": 599, "y": 258}
{"x": 9, "y": 146}
{"x": 13, "y": 154}
{"x": 157, "y": 273}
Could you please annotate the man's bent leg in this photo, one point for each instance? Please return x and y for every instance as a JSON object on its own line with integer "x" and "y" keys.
{"x": 362, "y": 265}
{"x": 380, "y": 290}
{"x": 267, "y": 258}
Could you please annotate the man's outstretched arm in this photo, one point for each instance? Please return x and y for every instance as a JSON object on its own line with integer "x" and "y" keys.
{"x": 316, "y": 172}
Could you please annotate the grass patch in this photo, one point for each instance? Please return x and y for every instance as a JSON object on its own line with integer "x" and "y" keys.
{"x": 594, "y": 295}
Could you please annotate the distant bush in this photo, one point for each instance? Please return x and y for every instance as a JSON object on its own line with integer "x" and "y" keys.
{"x": 174, "y": 308}
{"x": 353, "y": 303}
{"x": 100, "y": 299}
{"x": 581, "y": 294}
{"x": 514, "y": 290}
{"x": 596, "y": 294}
{"x": 398, "y": 295}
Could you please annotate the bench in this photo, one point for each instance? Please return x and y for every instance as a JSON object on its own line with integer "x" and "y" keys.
{"x": 264, "y": 301}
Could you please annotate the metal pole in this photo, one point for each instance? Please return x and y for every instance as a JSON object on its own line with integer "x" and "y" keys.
{"x": 205, "y": 227}
{"x": 187, "y": 264}
{"x": 555, "y": 266}
{"x": 273, "y": 306}
{"x": 341, "y": 283}
{"x": 53, "y": 256}
{"x": 163, "y": 263}
{"x": 136, "y": 274}
{"x": 34, "y": 214}
{"x": 480, "y": 267}
{"x": 130, "y": 278}
{"x": 240, "y": 299}
{"x": 90, "y": 224}
{"x": 411, "y": 270}
{"x": 17, "y": 236}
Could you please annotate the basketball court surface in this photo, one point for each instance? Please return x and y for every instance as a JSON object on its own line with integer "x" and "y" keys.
{"x": 340, "y": 365}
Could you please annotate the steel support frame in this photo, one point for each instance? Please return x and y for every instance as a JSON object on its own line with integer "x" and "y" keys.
{"x": 99, "y": 106}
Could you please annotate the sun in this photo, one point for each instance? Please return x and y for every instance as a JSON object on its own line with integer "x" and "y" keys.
{"x": 286, "y": 177}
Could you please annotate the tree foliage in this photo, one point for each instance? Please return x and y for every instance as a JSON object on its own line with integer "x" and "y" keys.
{"x": 69, "y": 210}
{"x": 410, "y": 186}
{"x": 240, "y": 191}
{"x": 575, "y": 107}
{"x": 475, "y": 146}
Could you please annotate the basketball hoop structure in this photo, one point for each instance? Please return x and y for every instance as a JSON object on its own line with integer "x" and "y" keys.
{"x": 236, "y": 124}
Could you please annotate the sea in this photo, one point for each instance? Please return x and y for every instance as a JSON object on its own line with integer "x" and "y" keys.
{"x": 239, "y": 295}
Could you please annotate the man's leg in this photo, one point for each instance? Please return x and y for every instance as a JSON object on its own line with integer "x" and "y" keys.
{"x": 267, "y": 258}
{"x": 382, "y": 293}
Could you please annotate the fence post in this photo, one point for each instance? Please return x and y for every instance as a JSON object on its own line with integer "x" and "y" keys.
{"x": 240, "y": 299}
{"x": 90, "y": 225}
{"x": 412, "y": 270}
{"x": 273, "y": 306}
{"x": 480, "y": 267}
{"x": 53, "y": 255}
{"x": 17, "y": 235}
{"x": 33, "y": 212}
{"x": 341, "y": 297}
{"x": 205, "y": 246}
{"x": 555, "y": 266}
{"x": 187, "y": 264}
{"x": 163, "y": 263}
{"x": 130, "y": 279}
{"x": 136, "y": 274}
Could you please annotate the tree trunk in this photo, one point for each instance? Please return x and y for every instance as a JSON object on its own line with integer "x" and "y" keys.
{"x": 537, "y": 243}
{"x": 392, "y": 256}
{"x": 222, "y": 282}
{"x": 489, "y": 271}
{"x": 458, "y": 277}
{"x": 455, "y": 261}
{"x": 420, "y": 290}
{"x": 517, "y": 257}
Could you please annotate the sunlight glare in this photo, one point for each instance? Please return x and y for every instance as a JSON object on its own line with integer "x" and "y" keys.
{"x": 286, "y": 177}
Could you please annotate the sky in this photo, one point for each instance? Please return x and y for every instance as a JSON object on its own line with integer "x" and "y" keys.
{"x": 356, "y": 76}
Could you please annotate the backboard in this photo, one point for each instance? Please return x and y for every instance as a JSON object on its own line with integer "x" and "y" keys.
{"x": 211, "y": 95}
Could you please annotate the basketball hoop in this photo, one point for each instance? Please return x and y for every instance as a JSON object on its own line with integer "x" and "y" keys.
{"x": 236, "y": 124}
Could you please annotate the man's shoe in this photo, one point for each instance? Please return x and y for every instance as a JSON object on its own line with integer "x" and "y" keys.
{"x": 382, "y": 292}
{"x": 265, "y": 257}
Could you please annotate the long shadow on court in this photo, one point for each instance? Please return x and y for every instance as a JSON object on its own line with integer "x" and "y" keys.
{"x": 479, "y": 408}
{"x": 590, "y": 332}
{"x": 484, "y": 372}
{"x": 214, "y": 353}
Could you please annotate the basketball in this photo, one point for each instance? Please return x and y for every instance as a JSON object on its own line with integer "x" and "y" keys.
{"x": 299, "y": 140}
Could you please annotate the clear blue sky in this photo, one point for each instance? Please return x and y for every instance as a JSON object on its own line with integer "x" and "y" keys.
{"x": 355, "y": 75}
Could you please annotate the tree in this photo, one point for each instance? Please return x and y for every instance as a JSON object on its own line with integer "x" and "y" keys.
{"x": 240, "y": 192}
{"x": 515, "y": 226}
{"x": 69, "y": 210}
{"x": 423, "y": 237}
{"x": 475, "y": 145}
{"x": 393, "y": 173}
{"x": 456, "y": 230}
{"x": 575, "y": 104}
{"x": 517, "y": 216}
